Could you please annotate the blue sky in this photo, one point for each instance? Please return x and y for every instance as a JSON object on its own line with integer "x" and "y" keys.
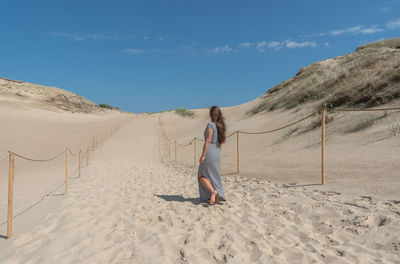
{"x": 156, "y": 55}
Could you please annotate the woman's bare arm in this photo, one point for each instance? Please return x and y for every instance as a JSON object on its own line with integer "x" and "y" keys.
{"x": 206, "y": 144}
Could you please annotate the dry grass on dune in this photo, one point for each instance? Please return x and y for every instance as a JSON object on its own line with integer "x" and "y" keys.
{"x": 51, "y": 96}
{"x": 368, "y": 77}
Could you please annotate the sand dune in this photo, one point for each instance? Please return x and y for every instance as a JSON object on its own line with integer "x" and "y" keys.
{"x": 41, "y": 134}
{"x": 135, "y": 205}
{"x": 362, "y": 163}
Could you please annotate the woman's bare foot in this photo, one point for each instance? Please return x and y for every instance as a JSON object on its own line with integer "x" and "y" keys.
{"x": 213, "y": 197}
{"x": 217, "y": 199}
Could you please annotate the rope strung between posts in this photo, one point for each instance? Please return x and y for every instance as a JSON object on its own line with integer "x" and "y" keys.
{"x": 3, "y": 159}
{"x": 364, "y": 110}
{"x": 36, "y": 203}
{"x": 184, "y": 145}
{"x": 280, "y": 128}
{"x": 323, "y": 134}
{"x": 12, "y": 155}
{"x": 36, "y": 160}
{"x": 300, "y": 120}
{"x": 73, "y": 153}
{"x": 261, "y": 132}
{"x": 231, "y": 134}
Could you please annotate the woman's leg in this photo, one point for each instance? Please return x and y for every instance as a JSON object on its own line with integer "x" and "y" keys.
{"x": 207, "y": 184}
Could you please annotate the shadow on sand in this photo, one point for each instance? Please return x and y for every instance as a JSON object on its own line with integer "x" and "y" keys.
{"x": 302, "y": 185}
{"x": 179, "y": 198}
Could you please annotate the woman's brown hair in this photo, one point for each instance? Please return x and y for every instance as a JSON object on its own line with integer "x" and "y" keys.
{"x": 217, "y": 117}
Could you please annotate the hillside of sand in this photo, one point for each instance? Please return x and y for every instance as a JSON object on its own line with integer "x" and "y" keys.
{"x": 368, "y": 77}
{"x": 134, "y": 204}
{"x": 31, "y": 95}
{"x": 362, "y": 148}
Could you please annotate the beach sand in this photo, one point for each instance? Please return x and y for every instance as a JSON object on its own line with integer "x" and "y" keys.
{"x": 134, "y": 204}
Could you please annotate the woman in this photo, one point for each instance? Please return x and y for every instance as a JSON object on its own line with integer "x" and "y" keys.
{"x": 209, "y": 175}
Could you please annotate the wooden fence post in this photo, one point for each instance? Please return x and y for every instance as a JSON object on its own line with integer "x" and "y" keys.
{"x": 323, "y": 121}
{"x": 87, "y": 156}
{"x": 66, "y": 170}
{"x": 175, "y": 150}
{"x": 237, "y": 152}
{"x": 194, "y": 152}
{"x": 80, "y": 156}
{"x": 93, "y": 143}
{"x": 169, "y": 147}
{"x": 10, "y": 194}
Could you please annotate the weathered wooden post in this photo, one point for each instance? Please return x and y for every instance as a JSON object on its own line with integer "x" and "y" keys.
{"x": 194, "y": 152}
{"x": 237, "y": 152}
{"x": 175, "y": 150}
{"x": 80, "y": 156}
{"x": 87, "y": 156}
{"x": 66, "y": 170}
{"x": 93, "y": 143}
{"x": 10, "y": 194}
{"x": 323, "y": 121}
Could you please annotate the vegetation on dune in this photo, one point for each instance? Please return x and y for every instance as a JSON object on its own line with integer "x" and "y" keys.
{"x": 362, "y": 124}
{"x": 160, "y": 112}
{"x": 368, "y": 77}
{"x": 395, "y": 128}
{"x": 184, "y": 112}
{"x": 107, "y": 106}
{"x": 289, "y": 132}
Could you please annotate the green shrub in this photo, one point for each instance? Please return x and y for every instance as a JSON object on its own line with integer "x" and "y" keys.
{"x": 184, "y": 112}
{"x": 290, "y": 132}
{"x": 317, "y": 122}
{"x": 395, "y": 128}
{"x": 107, "y": 106}
{"x": 362, "y": 124}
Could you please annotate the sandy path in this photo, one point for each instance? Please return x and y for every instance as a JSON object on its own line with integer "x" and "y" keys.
{"x": 134, "y": 206}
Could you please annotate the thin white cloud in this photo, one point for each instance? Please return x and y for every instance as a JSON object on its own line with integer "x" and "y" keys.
{"x": 393, "y": 24}
{"x": 261, "y": 46}
{"x": 371, "y": 30}
{"x": 146, "y": 51}
{"x": 133, "y": 51}
{"x": 357, "y": 30}
{"x": 347, "y": 30}
{"x": 91, "y": 36}
{"x": 246, "y": 45}
{"x": 306, "y": 44}
{"x": 385, "y": 10}
{"x": 275, "y": 45}
{"x": 316, "y": 35}
{"x": 219, "y": 50}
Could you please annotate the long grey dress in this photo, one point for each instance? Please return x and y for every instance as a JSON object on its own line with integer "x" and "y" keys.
{"x": 211, "y": 168}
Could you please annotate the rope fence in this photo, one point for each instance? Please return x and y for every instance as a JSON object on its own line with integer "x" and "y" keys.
{"x": 4, "y": 159}
{"x": 93, "y": 144}
{"x": 322, "y": 112}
